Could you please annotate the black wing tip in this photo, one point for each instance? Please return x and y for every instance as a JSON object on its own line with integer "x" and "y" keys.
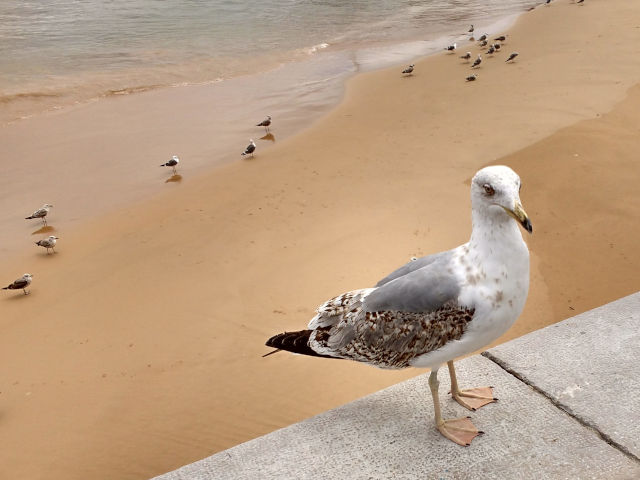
{"x": 294, "y": 342}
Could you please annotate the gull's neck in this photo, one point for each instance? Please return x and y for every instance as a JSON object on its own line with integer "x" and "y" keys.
{"x": 495, "y": 235}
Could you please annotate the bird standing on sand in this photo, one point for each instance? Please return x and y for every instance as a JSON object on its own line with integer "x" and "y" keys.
{"x": 20, "y": 284}
{"x": 483, "y": 43}
{"x": 466, "y": 56}
{"x": 265, "y": 123}
{"x": 470, "y": 29}
{"x": 511, "y": 57}
{"x": 42, "y": 212}
{"x": 477, "y": 62}
{"x": 497, "y": 46}
{"x": 472, "y": 78}
{"x": 491, "y": 50}
{"x": 173, "y": 163}
{"x": 409, "y": 69}
{"x": 451, "y": 48}
{"x": 501, "y": 38}
{"x": 483, "y": 37}
{"x": 438, "y": 308}
{"x": 48, "y": 243}
{"x": 250, "y": 148}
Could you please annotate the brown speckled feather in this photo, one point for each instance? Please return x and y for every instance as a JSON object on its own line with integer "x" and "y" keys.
{"x": 391, "y": 339}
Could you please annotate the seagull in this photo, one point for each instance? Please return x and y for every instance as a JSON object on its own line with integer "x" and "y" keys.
{"x": 48, "y": 243}
{"x": 547, "y": 2}
{"x": 250, "y": 148}
{"x": 477, "y": 62}
{"x": 483, "y": 37}
{"x": 511, "y": 57}
{"x": 580, "y": 1}
{"x": 497, "y": 46}
{"x": 483, "y": 43}
{"x": 265, "y": 123}
{"x": 491, "y": 50}
{"x": 451, "y": 48}
{"x": 437, "y": 308}
{"x": 466, "y": 56}
{"x": 409, "y": 69}
{"x": 21, "y": 283}
{"x": 42, "y": 212}
{"x": 501, "y": 38}
{"x": 472, "y": 78}
{"x": 172, "y": 163}
{"x": 470, "y": 29}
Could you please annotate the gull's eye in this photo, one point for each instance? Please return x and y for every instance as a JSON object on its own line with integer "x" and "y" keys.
{"x": 488, "y": 189}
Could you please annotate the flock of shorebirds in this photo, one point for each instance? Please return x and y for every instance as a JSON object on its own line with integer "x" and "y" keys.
{"x": 482, "y": 42}
{"x": 49, "y": 243}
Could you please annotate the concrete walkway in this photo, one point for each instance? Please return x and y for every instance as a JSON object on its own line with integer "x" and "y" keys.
{"x": 569, "y": 408}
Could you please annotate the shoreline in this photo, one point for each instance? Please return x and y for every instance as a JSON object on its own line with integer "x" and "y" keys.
{"x": 205, "y": 125}
{"x": 156, "y": 313}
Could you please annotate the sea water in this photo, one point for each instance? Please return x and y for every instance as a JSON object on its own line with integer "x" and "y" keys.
{"x": 58, "y": 53}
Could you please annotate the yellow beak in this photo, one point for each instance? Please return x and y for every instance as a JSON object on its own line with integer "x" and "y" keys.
{"x": 521, "y": 216}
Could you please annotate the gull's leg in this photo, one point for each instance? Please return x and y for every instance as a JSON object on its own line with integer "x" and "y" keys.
{"x": 458, "y": 430}
{"x": 474, "y": 397}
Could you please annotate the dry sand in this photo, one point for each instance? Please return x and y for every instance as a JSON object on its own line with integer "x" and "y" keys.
{"x": 139, "y": 349}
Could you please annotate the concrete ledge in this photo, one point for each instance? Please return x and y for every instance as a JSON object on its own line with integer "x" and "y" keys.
{"x": 390, "y": 434}
{"x": 589, "y": 365}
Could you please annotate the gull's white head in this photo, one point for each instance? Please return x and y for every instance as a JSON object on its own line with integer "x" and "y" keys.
{"x": 47, "y": 205}
{"x": 27, "y": 275}
{"x": 495, "y": 191}
{"x": 175, "y": 157}
{"x": 53, "y": 237}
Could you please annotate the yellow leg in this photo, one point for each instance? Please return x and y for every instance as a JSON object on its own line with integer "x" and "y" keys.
{"x": 458, "y": 430}
{"x": 474, "y": 398}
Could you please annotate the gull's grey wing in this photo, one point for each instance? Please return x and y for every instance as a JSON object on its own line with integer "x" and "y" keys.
{"x": 421, "y": 289}
{"x": 18, "y": 284}
{"x": 415, "y": 265}
{"x": 409, "y": 316}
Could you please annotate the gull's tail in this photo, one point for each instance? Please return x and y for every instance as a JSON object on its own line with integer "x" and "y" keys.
{"x": 29, "y": 217}
{"x": 295, "y": 342}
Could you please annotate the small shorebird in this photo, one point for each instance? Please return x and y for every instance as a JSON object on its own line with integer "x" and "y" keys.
{"x": 511, "y": 57}
{"x": 470, "y": 29}
{"x": 451, "y": 48}
{"x": 483, "y": 37}
{"x": 466, "y": 56}
{"x": 172, "y": 163}
{"x": 501, "y": 38}
{"x": 250, "y": 148}
{"x": 437, "y": 308}
{"x": 497, "y": 46}
{"x": 472, "y": 78}
{"x": 483, "y": 43}
{"x": 477, "y": 62}
{"x": 265, "y": 123}
{"x": 48, "y": 243}
{"x": 491, "y": 50}
{"x": 409, "y": 69}
{"x": 20, "y": 284}
{"x": 42, "y": 212}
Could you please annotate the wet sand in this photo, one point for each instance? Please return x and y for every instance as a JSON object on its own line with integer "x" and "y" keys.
{"x": 139, "y": 349}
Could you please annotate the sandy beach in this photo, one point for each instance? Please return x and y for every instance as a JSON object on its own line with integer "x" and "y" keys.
{"x": 140, "y": 347}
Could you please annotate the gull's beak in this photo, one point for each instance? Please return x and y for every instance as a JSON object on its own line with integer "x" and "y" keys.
{"x": 521, "y": 216}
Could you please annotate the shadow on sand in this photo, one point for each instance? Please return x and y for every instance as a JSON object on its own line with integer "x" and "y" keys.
{"x": 269, "y": 136}
{"x": 44, "y": 229}
{"x": 174, "y": 178}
